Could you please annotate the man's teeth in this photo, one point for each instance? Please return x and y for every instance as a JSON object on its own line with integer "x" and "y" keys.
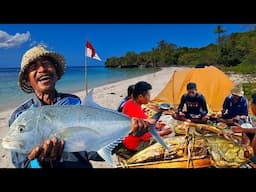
{"x": 44, "y": 78}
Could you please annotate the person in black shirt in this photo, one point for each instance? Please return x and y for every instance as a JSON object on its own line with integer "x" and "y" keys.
{"x": 195, "y": 104}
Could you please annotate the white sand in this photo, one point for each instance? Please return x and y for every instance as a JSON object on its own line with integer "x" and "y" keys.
{"x": 107, "y": 95}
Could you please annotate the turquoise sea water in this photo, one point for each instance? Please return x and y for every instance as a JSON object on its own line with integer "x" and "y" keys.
{"x": 72, "y": 81}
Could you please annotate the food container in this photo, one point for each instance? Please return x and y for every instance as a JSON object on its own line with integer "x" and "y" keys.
{"x": 164, "y": 106}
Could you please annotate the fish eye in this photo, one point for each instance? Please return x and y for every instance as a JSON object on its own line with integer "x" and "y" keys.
{"x": 21, "y": 129}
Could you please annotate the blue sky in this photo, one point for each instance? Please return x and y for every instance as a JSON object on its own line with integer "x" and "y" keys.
{"x": 107, "y": 39}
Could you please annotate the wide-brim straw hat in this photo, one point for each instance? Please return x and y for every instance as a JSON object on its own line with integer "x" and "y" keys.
{"x": 237, "y": 90}
{"x": 33, "y": 54}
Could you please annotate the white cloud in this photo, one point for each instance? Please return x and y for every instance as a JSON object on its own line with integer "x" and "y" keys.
{"x": 10, "y": 41}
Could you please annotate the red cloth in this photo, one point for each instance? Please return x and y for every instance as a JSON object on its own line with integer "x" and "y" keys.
{"x": 134, "y": 110}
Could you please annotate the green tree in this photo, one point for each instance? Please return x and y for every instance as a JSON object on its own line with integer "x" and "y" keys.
{"x": 164, "y": 45}
{"x": 112, "y": 62}
{"x": 219, "y": 30}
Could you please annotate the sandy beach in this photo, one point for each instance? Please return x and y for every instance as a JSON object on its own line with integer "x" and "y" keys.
{"x": 108, "y": 96}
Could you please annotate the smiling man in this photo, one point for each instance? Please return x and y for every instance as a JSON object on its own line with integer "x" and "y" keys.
{"x": 40, "y": 70}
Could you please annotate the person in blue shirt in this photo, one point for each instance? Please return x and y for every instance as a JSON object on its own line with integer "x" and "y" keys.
{"x": 196, "y": 107}
{"x": 40, "y": 70}
{"x": 235, "y": 107}
{"x": 124, "y": 100}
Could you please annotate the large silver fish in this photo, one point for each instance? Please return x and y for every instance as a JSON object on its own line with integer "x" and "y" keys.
{"x": 87, "y": 127}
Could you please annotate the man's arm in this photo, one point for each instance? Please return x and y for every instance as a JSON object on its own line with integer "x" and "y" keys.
{"x": 225, "y": 105}
{"x": 204, "y": 106}
{"x": 182, "y": 102}
{"x": 245, "y": 107}
{"x": 50, "y": 150}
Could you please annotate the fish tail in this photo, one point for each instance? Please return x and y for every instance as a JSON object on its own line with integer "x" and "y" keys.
{"x": 154, "y": 132}
{"x": 158, "y": 138}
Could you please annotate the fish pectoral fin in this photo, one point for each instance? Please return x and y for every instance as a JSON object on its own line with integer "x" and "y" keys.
{"x": 107, "y": 151}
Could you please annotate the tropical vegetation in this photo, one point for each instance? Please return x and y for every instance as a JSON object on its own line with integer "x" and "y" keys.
{"x": 234, "y": 52}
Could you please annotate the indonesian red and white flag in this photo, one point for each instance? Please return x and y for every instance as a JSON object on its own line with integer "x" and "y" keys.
{"x": 90, "y": 51}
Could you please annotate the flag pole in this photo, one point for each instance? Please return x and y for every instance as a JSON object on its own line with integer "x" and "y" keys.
{"x": 85, "y": 69}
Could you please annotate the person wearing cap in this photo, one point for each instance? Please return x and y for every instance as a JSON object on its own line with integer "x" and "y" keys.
{"x": 235, "y": 107}
{"x": 195, "y": 105}
{"x": 40, "y": 70}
